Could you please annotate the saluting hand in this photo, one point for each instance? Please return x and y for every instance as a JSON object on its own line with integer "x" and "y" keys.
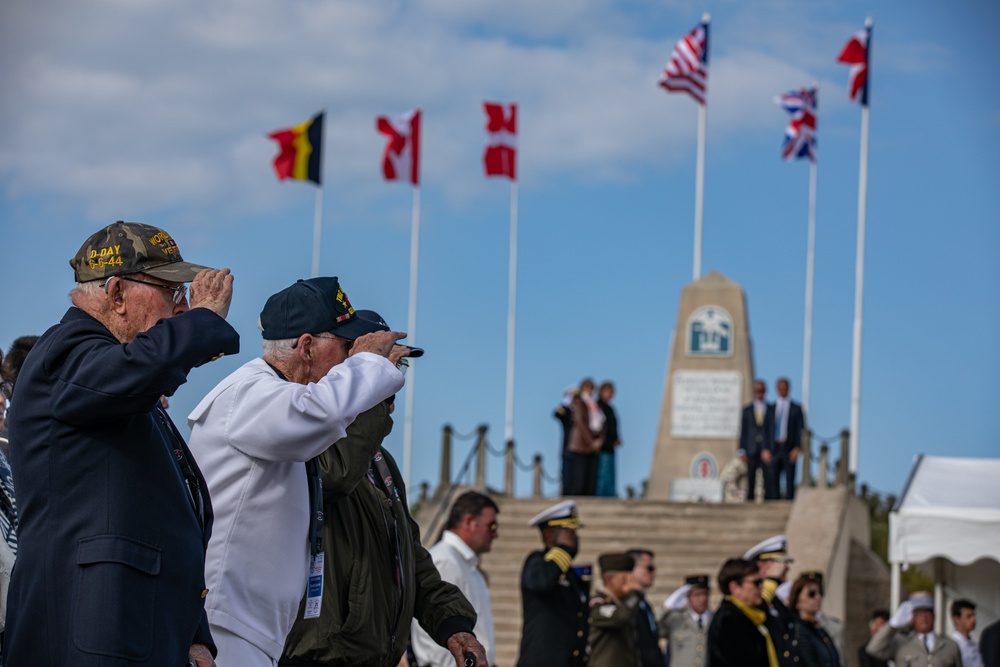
{"x": 212, "y": 289}
{"x": 378, "y": 342}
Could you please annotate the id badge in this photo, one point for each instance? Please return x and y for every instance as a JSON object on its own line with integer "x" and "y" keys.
{"x": 314, "y": 595}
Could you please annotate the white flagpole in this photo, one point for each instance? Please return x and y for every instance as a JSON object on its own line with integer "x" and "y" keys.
{"x": 699, "y": 189}
{"x": 511, "y": 312}
{"x": 411, "y": 333}
{"x": 859, "y": 289}
{"x": 317, "y": 229}
{"x": 810, "y": 259}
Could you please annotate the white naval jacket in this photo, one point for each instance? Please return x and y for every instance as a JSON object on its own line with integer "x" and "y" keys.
{"x": 251, "y": 436}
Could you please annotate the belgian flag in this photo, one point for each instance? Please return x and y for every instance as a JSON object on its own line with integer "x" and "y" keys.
{"x": 301, "y": 155}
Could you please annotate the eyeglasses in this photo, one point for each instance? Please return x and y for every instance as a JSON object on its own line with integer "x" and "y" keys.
{"x": 651, "y": 568}
{"x": 179, "y": 291}
{"x": 402, "y": 365}
{"x": 755, "y": 582}
{"x": 6, "y": 389}
{"x": 813, "y": 593}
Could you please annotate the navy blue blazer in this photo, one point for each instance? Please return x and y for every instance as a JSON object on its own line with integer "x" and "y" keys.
{"x": 556, "y": 615}
{"x": 755, "y": 439}
{"x": 796, "y": 424}
{"x": 114, "y": 513}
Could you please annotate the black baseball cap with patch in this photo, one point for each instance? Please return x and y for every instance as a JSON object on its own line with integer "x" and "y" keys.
{"x": 123, "y": 248}
{"x": 313, "y": 306}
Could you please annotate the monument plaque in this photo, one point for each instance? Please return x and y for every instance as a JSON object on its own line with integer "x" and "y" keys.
{"x": 706, "y": 404}
{"x": 709, "y": 380}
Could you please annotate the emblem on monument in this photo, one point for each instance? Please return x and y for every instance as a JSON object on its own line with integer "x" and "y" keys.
{"x": 710, "y": 333}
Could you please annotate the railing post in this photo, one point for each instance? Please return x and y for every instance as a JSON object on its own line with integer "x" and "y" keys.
{"x": 843, "y": 474}
{"x": 445, "y": 457}
{"x": 424, "y": 488}
{"x": 807, "y": 473}
{"x": 536, "y": 485}
{"x": 508, "y": 483}
{"x": 824, "y": 480}
{"x": 481, "y": 457}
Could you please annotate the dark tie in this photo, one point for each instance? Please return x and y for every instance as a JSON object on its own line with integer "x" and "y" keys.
{"x": 701, "y": 624}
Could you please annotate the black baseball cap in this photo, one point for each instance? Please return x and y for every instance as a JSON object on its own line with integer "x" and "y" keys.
{"x": 313, "y": 306}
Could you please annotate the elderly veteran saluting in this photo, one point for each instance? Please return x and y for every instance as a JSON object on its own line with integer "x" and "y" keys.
{"x": 257, "y": 434}
{"x": 114, "y": 513}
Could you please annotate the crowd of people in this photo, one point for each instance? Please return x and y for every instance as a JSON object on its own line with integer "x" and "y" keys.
{"x": 763, "y": 620}
{"x": 281, "y": 533}
{"x": 590, "y": 437}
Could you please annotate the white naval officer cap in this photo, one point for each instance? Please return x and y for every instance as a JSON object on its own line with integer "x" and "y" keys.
{"x": 560, "y": 515}
{"x": 773, "y": 548}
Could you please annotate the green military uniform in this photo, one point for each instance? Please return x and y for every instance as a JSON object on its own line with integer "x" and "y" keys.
{"x": 613, "y": 640}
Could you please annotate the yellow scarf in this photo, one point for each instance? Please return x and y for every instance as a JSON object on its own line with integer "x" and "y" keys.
{"x": 757, "y": 617}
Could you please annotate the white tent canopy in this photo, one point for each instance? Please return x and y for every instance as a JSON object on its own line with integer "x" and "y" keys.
{"x": 949, "y": 511}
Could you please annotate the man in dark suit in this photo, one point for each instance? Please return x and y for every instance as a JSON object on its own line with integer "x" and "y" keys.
{"x": 757, "y": 441}
{"x": 553, "y": 596}
{"x": 114, "y": 513}
{"x": 789, "y": 422}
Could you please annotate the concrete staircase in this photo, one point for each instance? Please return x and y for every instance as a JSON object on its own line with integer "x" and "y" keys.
{"x": 688, "y": 538}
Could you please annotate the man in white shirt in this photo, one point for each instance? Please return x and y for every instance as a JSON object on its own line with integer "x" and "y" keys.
{"x": 253, "y": 436}
{"x": 469, "y": 533}
{"x": 963, "y": 617}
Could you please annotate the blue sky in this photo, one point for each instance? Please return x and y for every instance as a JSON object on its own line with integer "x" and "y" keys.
{"x": 158, "y": 112}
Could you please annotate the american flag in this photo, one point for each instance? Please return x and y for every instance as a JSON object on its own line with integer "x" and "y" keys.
{"x": 800, "y": 135}
{"x": 855, "y": 54}
{"x": 687, "y": 69}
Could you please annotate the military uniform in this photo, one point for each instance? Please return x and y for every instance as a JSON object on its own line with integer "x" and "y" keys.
{"x": 553, "y": 600}
{"x": 780, "y": 621}
{"x": 907, "y": 650}
{"x": 685, "y": 630}
{"x": 613, "y": 636}
{"x": 687, "y": 640}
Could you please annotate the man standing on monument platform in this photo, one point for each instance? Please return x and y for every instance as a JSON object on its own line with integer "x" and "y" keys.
{"x": 757, "y": 441}
{"x": 789, "y": 422}
{"x": 553, "y": 596}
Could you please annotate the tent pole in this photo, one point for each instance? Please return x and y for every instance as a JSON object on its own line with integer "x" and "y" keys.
{"x": 894, "y": 588}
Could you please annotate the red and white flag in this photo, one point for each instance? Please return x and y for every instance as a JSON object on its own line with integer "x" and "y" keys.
{"x": 687, "y": 69}
{"x": 500, "y": 156}
{"x": 401, "y": 159}
{"x": 855, "y": 54}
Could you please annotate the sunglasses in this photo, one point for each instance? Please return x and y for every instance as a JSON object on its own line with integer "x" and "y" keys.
{"x": 755, "y": 582}
{"x": 813, "y": 593}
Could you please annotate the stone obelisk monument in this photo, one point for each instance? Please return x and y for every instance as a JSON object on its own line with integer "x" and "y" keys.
{"x": 709, "y": 380}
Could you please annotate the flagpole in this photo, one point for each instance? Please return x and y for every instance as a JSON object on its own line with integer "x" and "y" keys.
{"x": 859, "y": 290}
{"x": 810, "y": 259}
{"x": 859, "y": 273}
{"x": 699, "y": 189}
{"x": 411, "y": 332}
{"x": 317, "y": 229}
{"x": 511, "y": 312}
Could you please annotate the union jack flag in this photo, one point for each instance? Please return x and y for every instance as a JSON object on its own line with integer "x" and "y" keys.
{"x": 800, "y": 134}
{"x": 855, "y": 53}
{"x": 687, "y": 69}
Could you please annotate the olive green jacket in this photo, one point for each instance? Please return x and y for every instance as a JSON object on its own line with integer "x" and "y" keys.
{"x": 365, "y": 617}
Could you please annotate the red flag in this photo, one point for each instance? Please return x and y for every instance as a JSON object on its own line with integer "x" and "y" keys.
{"x": 855, "y": 54}
{"x": 401, "y": 159}
{"x": 687, "y": 69}
{"x": 500, "y": 156}
{"x": 300, "y": 155}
